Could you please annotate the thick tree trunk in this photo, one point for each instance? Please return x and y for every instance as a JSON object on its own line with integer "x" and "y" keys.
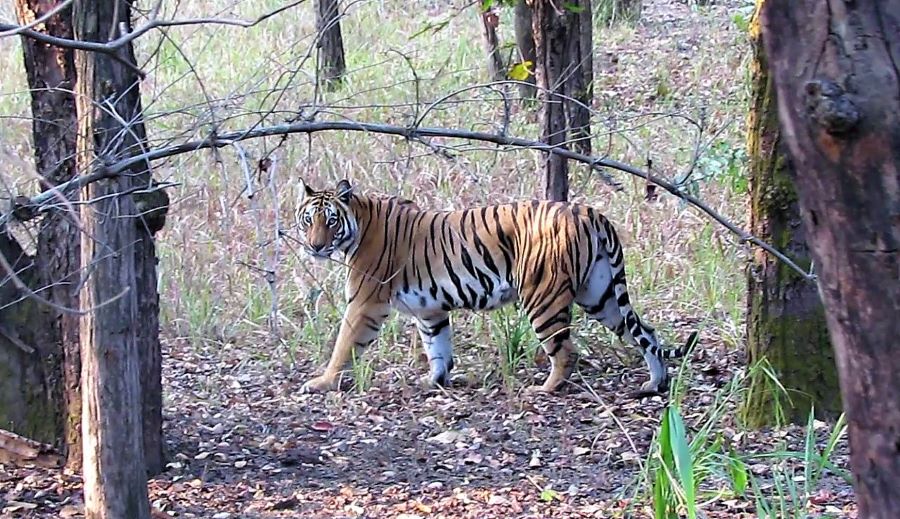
{"x": 835, "y": 68}
{"x": 785, "y": 317}
{"x": 489, "y": 22}
{"x": 27, "y": 403}
{"x": 525, "y": 45}
{"x": 553, "y": 34}
{"x": 51, "y": 77}
{"x": 331, "y": 44}
{"x": 114, "y": 472}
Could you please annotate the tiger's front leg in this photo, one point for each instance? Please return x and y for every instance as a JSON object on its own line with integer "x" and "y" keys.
{"x": 359, "y": 328}
{"x": 435, "y": 332}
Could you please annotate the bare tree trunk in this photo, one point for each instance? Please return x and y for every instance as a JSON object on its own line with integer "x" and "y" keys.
{"x": 785, "y": 316}
{"x": 114, "y": 472}
{"x": 489, "y": 22}
{"x": 835, "y": 69}
{"x": 580, "y": 81}
{"x": 525, "y": 44}
{"x": 611, "y": 12}
{"x": 552, "y": 32}
{"x": 331, "y": 44}
{"x": 51, "y": 77}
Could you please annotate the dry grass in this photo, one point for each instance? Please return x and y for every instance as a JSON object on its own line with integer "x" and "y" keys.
{"x": 678, "y": 60}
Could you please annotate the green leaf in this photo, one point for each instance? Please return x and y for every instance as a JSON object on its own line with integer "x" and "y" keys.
{"x": 573, "y": 7}
{"x": 739, "y": 474}
{"x": 548, "y": 494}
{"x": 521, "y": 71}
{"x": 683, "y": 459}
{"x": 486, "y": 5}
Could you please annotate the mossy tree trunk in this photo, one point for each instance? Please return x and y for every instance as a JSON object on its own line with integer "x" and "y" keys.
{"x": 836, "y": 70}
{"x": 785, "y": 316}
{"x": 50, "y": 71}
{"x": 489, "y": 21}
{"x": 27, "y": 390}
{"x": 580, "y": 83}
{"x": 525, "y": 44}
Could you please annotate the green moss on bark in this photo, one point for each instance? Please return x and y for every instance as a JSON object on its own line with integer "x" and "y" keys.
{"x": 785, "y": 317}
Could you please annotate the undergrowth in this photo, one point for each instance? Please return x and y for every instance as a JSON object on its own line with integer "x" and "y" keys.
{"x": 692, "y": 467}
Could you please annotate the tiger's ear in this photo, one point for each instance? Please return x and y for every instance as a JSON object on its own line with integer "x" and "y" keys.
{"x": 305, "y": 191}
{"x": 343, "y": 191}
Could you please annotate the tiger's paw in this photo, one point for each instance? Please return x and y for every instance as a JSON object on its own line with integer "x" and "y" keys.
{"x": 320, "y": 384}
{"x": 541, "y": 389}
{"x": 434, "y": 380}
{"x": 649, "y": 389}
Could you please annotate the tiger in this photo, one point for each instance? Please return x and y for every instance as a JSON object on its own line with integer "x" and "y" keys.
{"x": 546, "y": 255}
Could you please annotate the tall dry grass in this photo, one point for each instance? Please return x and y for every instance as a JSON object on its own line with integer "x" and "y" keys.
{"x": 676, "y": 65}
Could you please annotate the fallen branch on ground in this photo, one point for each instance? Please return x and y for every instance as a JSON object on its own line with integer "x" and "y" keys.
{"x": 21, "y": 451}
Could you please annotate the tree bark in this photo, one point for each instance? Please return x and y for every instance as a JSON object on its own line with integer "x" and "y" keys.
{"x": 525, "y": 45}
{"x": 553, "y": 34}
{"x": 331, "y": 44}
{"x": 785, "y": 317}
{"x": 50, "y": 71}
{"x": 114, "y": 472}
{"x": 835, "y": 68}
{"x": 580, "y": 83}
{"x": 489, "y": 21}
{"x": 51, "y": 77}
{"x": 611, "y": 12}
{"x": 27, "y": 403}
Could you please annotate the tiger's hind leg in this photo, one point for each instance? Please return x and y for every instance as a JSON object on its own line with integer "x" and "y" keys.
{"x": 435, "y": 332}
{"x": 599, "y": 300}
{"x": 552, "y": 325}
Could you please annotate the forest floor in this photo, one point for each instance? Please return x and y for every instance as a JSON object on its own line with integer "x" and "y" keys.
{"x": 242, "y": 442}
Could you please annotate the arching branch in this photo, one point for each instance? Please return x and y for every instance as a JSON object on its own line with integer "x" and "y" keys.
{"x": 410, "y": 133}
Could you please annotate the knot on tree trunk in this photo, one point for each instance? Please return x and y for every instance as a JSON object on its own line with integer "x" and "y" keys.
{"x": 152, "y": 205}
{"x": 830, "y": 106}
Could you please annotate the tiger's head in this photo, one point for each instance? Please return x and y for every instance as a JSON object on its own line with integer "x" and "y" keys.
{"x": 325, "y": 221}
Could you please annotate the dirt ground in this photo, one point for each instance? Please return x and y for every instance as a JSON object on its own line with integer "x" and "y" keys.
{"x": 244, "y": 443}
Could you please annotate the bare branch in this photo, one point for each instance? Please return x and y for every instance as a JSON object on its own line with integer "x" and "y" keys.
{"x": 112, "y": 47}
{"x": 37, "y": 21}
{"x": 411, "y": 134}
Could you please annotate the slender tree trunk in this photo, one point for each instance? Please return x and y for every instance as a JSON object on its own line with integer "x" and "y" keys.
{"x": 489, "y": 22}
{"x": 331, "y": 44}
{"x": 525, "y": 45}
{"x": 51, "y": 77}
{"x": 786, "y": 319}
{"x": 611, "y": 12}
{"x": 114, "y": 472}
{"x": 553, "y": 33}
{"x": 580, "y": 78}
{"x": 835, "y": 69}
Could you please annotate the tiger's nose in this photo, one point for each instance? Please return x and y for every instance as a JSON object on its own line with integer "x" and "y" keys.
{"x": 317, "y": 247}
